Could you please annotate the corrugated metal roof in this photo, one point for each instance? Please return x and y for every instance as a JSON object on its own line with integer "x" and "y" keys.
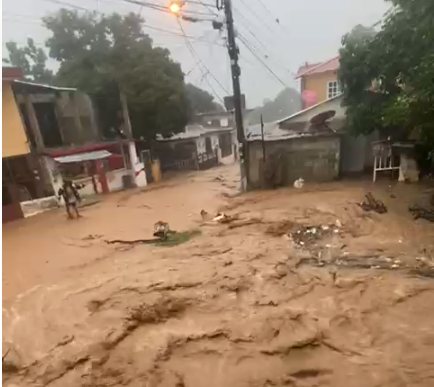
{"x": 78, "y": 157}
{"x": 287, "y": 128}
{"x": 192, "y": 132}
{"x": 43, "y": 86}
{"x": 301, "y": 112}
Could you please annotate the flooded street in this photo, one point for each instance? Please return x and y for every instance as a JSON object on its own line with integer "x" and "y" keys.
{"x": 298, "y": 288}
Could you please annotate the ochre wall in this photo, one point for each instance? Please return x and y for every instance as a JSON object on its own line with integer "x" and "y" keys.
{"x": 318, "y": 83}
{"x": 13, "y": 135}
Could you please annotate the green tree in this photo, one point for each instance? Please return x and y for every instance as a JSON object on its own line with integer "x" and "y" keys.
{"x": 105, "y": 54}
{"x": 200, "y": 100}
{"x": 387, "y": 77}
{"x": 31, "y": 59}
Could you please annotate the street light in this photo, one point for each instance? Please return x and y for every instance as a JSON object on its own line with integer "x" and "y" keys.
{"x": 175, "y": 6}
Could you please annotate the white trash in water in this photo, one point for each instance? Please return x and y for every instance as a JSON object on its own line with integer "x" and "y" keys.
{"x": 299, "y": 183}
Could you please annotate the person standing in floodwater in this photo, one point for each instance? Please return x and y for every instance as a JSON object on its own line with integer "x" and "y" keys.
{"x": 69, "y": 193}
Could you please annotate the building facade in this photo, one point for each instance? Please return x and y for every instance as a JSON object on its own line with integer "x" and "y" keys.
{"x": 22, "y": 172}
{"x": 195, "y": 148}
{"x": 319, "y": 82}
{"x": 50, "y": 133}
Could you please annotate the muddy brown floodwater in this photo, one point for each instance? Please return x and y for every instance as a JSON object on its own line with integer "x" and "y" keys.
{"x": 301, "y": 288}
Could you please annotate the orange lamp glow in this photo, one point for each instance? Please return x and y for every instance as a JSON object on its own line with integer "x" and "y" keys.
{"x": 175, "y": 6}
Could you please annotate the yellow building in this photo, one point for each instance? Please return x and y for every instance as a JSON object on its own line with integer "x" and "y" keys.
{"x": 319, "y": 81}
{"x": 19, "y": 166}
{"x": 14, "y": 139}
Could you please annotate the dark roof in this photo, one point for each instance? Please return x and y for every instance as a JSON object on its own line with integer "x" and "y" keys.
{"x": 222, "y": 113}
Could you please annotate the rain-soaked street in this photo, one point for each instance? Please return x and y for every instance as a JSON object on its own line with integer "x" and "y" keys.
{"x": 293, "y": 288}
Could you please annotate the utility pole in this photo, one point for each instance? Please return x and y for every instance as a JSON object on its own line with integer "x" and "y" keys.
{"x": 130, "y": 155}
{"x": 175, "y": 7}
{"x": 236, "y": 72}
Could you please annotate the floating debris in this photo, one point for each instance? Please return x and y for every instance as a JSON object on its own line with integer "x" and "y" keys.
{"x": 299, "y": 183}
{"x": 205, "y": 216}
{"x": 173, "y": 238}
{"x": 422, "y": 213}
{"x": 372, "y": 204}
{"x": 161, "y": 230}
{"x": 309, "y": 235}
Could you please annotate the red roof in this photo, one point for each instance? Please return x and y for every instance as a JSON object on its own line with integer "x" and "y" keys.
{"x": 9, "y": 73}
{"x": 315, "y": 68}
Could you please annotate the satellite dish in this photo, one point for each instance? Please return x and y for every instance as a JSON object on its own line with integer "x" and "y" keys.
{"x": 321, "y": 118}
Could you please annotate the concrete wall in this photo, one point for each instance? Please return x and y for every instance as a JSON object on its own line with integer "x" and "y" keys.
{"x": 356, "y": 153}
{"x": 201, "y": 142}
{"x": 67, "y": 104}
{"x": 217, "y": 120}
{"x": 353, "y": 151}
{"x": 34, "y": 207}
{"x": 14, "y": 139}
{"x": 114, "y": 179}
{"x": 318, "y": 84}
{"x": 312, "y": 158}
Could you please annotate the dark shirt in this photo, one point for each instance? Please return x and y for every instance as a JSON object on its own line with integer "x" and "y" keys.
{"x": 69, "y": 193}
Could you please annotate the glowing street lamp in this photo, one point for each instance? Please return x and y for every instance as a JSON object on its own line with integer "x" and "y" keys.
{"x": 175, "y": 6}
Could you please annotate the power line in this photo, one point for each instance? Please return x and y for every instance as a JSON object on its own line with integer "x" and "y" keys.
{"x": 8, "y": 19}
{"x": 161, "y": 8}
{"x": 159, "y": 29}
{"x": 260, "y": 19}
{"x": 276, "y": 19}
{"x": 207, "y": 6}
{"x": 197, "y": 38}
{"x": 66, "y": 4}
{"x": 246, "y": 26}
{"x": 245, "y": 42}
{"x": 267, "y": 54}
{"x": 202, "y": 65}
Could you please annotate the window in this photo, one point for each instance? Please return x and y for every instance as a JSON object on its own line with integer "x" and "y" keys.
{"x": 333, "y": 89}
{"x": 224, "y": 122}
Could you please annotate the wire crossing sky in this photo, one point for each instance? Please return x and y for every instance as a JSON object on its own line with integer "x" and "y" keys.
{"x": 275, "y": 36}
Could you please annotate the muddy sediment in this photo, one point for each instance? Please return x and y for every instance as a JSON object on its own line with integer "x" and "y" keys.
{"x": 308, "y": 290}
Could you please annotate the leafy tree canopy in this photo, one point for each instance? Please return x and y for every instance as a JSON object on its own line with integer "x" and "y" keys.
{"x": 200, "y": 100}
{"x": 31, "y": 59}
{"x": 105, "y": 54}
{"x": 387, "y": 77}
{"x": 287, "y": 102}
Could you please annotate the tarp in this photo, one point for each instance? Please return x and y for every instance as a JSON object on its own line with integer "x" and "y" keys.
{"x": 96, "y": 155}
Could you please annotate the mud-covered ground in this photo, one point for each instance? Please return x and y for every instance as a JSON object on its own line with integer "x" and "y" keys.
{"x": 300, "y": 288}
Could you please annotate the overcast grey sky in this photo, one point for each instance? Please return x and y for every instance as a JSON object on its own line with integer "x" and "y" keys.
{"x": 309, "y": 30}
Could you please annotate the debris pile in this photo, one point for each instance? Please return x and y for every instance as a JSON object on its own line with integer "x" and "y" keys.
{"x": 422, "y": 213}
{"x": 372, "y": 204}
{"x": 163, "y": 236}
{"x": 309, "y": 235}
{"x": 219, "y": 217}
